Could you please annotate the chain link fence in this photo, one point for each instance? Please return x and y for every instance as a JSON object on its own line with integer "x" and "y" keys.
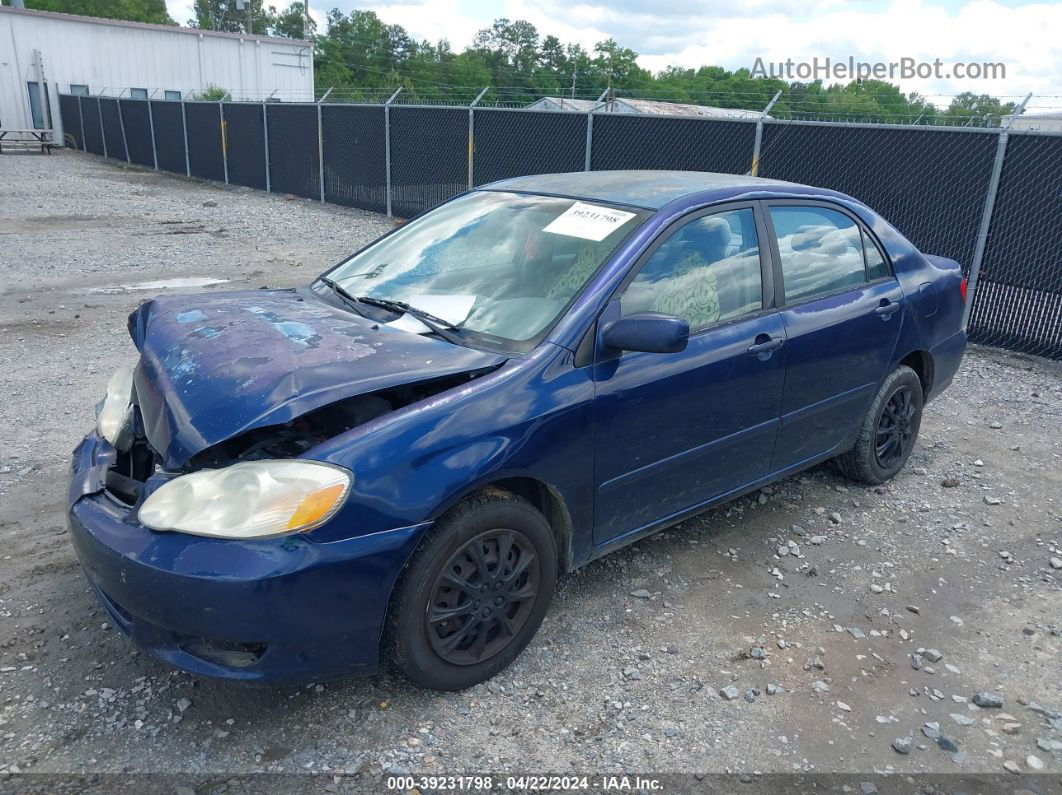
{"x": 1019, "y": 288}
{"x": 988, "y": 198}
{"x": 929, "y": 183}
{"x": 245, "y": 144}
{"x": 354, "y": 155}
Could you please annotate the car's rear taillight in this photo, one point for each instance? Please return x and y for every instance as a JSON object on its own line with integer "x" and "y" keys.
{"x": 962, "y": 289}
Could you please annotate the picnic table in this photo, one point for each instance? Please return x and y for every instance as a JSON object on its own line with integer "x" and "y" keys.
{"x": 21, "y": 139}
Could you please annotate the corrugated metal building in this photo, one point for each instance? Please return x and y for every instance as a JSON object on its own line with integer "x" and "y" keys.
{"x": 1038, "y": 122}
{"x": 85, "y": 55}
{"x": 650, "y": 107}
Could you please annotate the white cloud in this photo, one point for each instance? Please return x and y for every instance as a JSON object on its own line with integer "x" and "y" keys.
{"x": 690, "y": 33}
{"x": 1027, "y": 39}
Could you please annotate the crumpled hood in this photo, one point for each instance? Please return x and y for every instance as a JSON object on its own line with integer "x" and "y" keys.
{"x": 215, "y": 365}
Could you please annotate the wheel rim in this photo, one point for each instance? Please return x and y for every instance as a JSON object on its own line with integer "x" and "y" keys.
{"x": 896, "y": 427}
{"x": 482, "y": 597}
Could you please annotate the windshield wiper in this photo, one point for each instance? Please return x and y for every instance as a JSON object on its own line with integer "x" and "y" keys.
{"x": 443, "y": 328}
{"x": 339, "y": 290}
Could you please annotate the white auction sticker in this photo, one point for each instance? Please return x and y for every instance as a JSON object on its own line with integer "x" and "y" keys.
{"x": 588, "y": 221}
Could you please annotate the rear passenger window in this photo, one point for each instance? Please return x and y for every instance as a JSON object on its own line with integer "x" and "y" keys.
{"x": 707, "y": 271}
{"x": 876, "y": 267}
{"x": 821, "y": 251}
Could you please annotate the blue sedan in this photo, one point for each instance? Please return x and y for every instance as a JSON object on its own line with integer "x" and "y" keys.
{"x": 398, "y": 460}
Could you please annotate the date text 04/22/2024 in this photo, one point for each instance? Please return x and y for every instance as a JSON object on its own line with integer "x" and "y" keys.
{"x": 523, "y": 783}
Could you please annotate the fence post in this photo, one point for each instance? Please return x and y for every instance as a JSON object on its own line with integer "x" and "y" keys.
{"x": 320, "y": 151}
{"x": 759, "y": 136}
{"x": 590, "y": 131}
{"x": 151, "y": 127}
{"x": 224, "y": 139}
{"x": 320, "y": 142}
{"x": 986, "y": 212}
{"x": 472, "y": 132}
{"x": 81, "y": 113}
{"x": 387, "y": 146}
{"x": 184, "y": 127}
{"x": 125, "y": 140}
{"x": 103, "y": 133}
{"x": 265, "y": 143}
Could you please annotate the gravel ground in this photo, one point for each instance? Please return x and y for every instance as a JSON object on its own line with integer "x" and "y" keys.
{"x": 816, "y": 627}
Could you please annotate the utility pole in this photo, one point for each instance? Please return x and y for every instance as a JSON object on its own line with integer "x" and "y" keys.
{"x": 42, "y": 95}
{"x": 575, "y": 71}
{"x": 306, "y": 20}
{"x": 247, "y": 5}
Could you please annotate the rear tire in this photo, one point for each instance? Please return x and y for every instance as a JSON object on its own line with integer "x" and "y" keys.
{"x": 888, "y": 431}
{"x": 474, "y": 592}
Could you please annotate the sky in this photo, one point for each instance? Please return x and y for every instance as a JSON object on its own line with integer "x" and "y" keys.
{"x": 1024, "y": 36}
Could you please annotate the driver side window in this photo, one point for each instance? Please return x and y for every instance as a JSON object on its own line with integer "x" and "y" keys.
{"x": 707, "y": 271}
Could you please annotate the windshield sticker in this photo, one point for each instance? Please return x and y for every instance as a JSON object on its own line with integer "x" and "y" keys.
{"x": 588, "y": 221}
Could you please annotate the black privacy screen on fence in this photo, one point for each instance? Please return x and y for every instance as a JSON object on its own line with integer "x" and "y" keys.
{"x": 353, "y": 146}
{"x": 90, "y": 118}
{"x": 623, "y": 140}
{"x": 70, "y": 115}
{"x": 169, "y": 136}
{"x": 205, "y": 158}
{"x": 136, "y": 116}
{"x": 429, "y": 157}
{"x": 1018, "y": 297}
{"x": 512, "y": 143}
{"x": 113, "y": 136}
{"x": 245, "y": 141}
{"x": 293, "y": 150}
{"x": 930, "y": 184}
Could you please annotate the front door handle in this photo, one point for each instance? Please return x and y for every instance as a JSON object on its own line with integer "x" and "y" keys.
{"x": 767, "y": 346}
{"x": 887, "y": 308}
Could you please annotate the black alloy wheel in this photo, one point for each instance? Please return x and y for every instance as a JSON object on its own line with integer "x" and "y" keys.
{"x": 483, "y": 597}
{"x": 888, "y": 430}
{"x": 896, "y": 428}
{"x": 473, "y": 593}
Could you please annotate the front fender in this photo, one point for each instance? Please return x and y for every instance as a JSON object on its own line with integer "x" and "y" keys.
{"x": 530, "y": 419}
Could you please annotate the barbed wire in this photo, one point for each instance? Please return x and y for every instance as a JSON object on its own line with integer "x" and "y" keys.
{"x": 518, "y": 97}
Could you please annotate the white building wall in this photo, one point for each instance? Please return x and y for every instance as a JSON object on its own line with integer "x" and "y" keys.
{"x": 111, "y": 56}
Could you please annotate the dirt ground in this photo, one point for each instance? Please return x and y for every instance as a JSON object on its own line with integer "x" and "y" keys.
{"x": 846, "y": 619}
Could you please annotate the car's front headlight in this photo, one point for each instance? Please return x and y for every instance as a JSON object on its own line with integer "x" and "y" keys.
{"x": 117, "y": 407}
{"x": 251, "y": 499}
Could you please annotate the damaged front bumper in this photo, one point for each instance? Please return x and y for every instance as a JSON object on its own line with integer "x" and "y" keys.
{"x": 274, "y": 610}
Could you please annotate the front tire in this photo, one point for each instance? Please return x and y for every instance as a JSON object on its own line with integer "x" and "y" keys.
{"x": 474, "y": 592}
{"x": 888, "y": 431}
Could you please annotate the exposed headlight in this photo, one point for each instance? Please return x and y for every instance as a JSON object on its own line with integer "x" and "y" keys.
{"x": 117, "y": 409}
{"x": 251, "y": 499}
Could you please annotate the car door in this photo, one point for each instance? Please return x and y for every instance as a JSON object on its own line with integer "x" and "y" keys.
{"x": 840, "y": 304}
{"x": 675, "y": 430}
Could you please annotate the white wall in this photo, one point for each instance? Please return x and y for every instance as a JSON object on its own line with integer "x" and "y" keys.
{"x": 110, "y": 57}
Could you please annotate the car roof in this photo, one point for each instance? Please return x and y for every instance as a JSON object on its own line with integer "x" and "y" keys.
{"x": 649, "y": 189}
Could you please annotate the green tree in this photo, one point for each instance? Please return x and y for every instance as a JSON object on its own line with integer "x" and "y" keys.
{"x": 225, "y": 15}
{"x": 977, "y": 110}
{"x": 365, "y": 58}
{"x": 132, "y": 10}
{"x": 288, "y": 23}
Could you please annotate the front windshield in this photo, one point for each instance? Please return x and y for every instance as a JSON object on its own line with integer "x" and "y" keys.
{"x": 498, "y": 264}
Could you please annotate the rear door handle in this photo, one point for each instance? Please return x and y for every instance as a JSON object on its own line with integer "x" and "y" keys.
{"x": 887, "y": 308}
{"x": 772, "y": 344}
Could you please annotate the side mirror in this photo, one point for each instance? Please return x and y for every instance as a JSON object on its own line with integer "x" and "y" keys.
{"x": 651, "y": 332}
